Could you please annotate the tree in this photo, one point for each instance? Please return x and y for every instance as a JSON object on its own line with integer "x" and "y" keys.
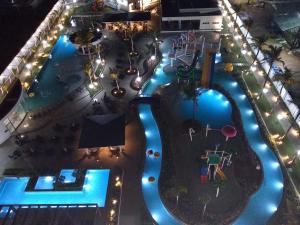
{"x": 191, "y": 94}
{"x": 258, "y": 43}
{"x": 176, "y": 191}
{"x": 273, "y": 55}
{"x": 295, "y": 100}
{"x": 114, "y": 74}
{"x": 296, "y": 39}
{"x": 83, "y": 39}
{"x": 237, "y": 9}
{"x": 89, "y": 71}
{"x": 287, "y": 77}
{"x": 205, "y": 199}
{"x": 248, "y": 25}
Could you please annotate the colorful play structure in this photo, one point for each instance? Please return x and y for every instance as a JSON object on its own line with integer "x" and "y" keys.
{"x": 197, "y": 48}
{"x": 214, "y": 163}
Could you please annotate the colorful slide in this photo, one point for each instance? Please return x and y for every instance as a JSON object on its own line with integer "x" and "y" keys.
{"x": 221, "y": 174}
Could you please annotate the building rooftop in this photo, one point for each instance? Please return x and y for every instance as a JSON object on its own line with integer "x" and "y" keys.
{"x": 177, "y": 8}
{"x": 197, "y": 4}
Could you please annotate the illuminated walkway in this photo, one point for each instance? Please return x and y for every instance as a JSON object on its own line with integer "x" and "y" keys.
{"x": 265, "y": 201}
{"x": 262, "y": 204}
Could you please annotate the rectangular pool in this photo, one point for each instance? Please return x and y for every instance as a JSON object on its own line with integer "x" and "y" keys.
{"x": 68, "y": 176}
{"x": 44, "y": 183}
{"x": 12, "y": 191}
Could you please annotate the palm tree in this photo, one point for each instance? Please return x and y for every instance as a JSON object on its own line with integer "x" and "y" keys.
{"x": 98, "y": 50}
{"x": 287, "y": 77}
{"x": 274, "y": 55}
{"x": 258, "y": 43}
{"x": 191, "y": 94}
{"x": 237, "y": 9}
{"x": 205, "y": 199}
{"x": 83, "y": 39}
{"x": 176, "y": 191}
{"x": 114, "y": 74}
{"x": 89, "y": 71}
{"x": 248, "y": 25}
{"x": 295, "y": 100}
{"x": 131, "y": 34}
{"x": 296, "y": 39}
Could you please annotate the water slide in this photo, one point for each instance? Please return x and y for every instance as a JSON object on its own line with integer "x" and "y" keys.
{"x": 221, "y": 174}
{"x": 262, "y": 204}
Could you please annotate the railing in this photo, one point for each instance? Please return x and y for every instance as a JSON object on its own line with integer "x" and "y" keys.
{"x": 8, "y": 76}
{"x": 286, "y": 97}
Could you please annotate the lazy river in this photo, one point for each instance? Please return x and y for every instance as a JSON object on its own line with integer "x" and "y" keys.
{"x": 262, "y": 204}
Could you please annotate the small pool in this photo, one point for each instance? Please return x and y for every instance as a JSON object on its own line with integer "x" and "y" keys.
{"x": 45, "y": 183}
{"x": 69, "y": 176}
{"x": 12, "y": 191}
{"x": 211, "y": 107}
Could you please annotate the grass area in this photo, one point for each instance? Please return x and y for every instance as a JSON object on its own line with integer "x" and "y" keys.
{"x": 286, "y": 148}
{"x": 87, "y": 9}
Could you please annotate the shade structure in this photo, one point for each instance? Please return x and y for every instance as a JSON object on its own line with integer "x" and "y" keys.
{"x": 102, "y": 131}
{"x": 229, "y": 131}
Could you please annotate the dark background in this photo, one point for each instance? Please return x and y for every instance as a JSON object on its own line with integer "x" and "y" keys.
{"x": 17, "y": 24}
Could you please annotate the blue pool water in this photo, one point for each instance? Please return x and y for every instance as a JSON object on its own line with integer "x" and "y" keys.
{"x": 12, "y": 191}
{"x": 68, "y": 174}
{"x": 211, "y": 108}
{"x": 152, "y": 165}
{"x": 261, "y": 206}
{"x": 44, "y": 183}
{"x": 49, "y": 90}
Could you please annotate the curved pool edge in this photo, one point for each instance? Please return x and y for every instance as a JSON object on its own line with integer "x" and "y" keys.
{"x": 262, "y": 204}
{"x": 152, "y": 166}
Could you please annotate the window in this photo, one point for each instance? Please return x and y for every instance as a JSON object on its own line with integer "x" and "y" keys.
{"x": 205, "y": 23}
{"x": 215, "y": 22}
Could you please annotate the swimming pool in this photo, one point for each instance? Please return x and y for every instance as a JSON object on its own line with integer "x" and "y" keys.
{"x": 211, "y": 108}
{"x": 12, "y": 191}
{"x": 49, "y": 90}
{"x": 68, "y": 175}
{"x": 152, "y": 165}
{"x": 45, "y": 183}
{"x": 262, "y": 204}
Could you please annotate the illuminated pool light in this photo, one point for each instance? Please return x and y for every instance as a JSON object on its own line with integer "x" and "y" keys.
{"x": 226, "y": 103}
{"x": 279, "y": 185}
{"x": 144, "y": 180}
{"x": 155, "y": 217}
{"x": 87, "y": 187}
{"x": 255, "y": 126}
{"x": 242, "y": 97}
{"x": 142, "y": 116}
{"x": 250, "y": 112}
{"x": 272, "y": 208}
{"x": 89, "y": 176}
{"x": 275, "y": 165}
{"x": 147, "y": 133}
{"x": 263, "y": 146}
{"x": 48, "y": 178}
{"x": 234, "y": 84}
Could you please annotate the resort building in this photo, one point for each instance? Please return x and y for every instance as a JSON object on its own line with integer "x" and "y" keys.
{"x": 178, "y": 15}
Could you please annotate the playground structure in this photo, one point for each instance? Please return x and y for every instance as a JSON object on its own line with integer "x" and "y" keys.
{"x": 188, "y": 47}
{"x": 185, "y": 45}
{"x": 215, "y": 161}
